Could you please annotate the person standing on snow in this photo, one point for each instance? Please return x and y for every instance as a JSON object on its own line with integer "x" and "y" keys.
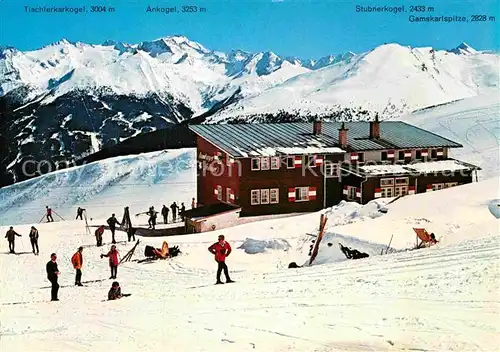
{"x": 52, "y": 274}
{"x": 113, "y": 261}
{"x": 174, "y": 208}
{"x": 193, "y": 204}
{"x": 164, "y": 213}
{"x": 152, "y": 217}
{"x": 182, "y": 210}
{"x": 79, "y": 213}
{"x": 98, "y": 235}
{"x": 10, "y": 236}
{"x": 34, "y": 240}
{"x": 221, "y": 250}
{"x": 112, "y": 222}
{"x": 49, "y": 214}
{"x": 77, "y": 261}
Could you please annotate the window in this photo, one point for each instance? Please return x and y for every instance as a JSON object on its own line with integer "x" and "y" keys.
{"x": 361, "y": 157}
{"x": 274, "y": 196}
{"x": 275, "y": 163}
{"x": 255, "y": 196}
{"x": 255, "y": 164}
{"x": 351, "y": 192}
{"x": 331, "y": 170}
{"x": 418, "y": 155}
{"x": 311, "y": 161}
{"x": 401, "y": 155}
{"x": 400, "y": 191}
{"x": 228, "y": 195}
{"x": 290, "y": 162}
{"x": 301, "y": 193}
{"x": 264, "y": 196}
{"x": 401, "y": 181}
{"x": 437, "y": 186}
{"x": 383, "y": 156}
{"x": 264, "y": 163}
{"x": 386, "y": 182}
{"x": 434, "y": 154}
{"x": 219, "y": 192}
{"x": 386, "y": 192}
{"x": 450, "y": 184}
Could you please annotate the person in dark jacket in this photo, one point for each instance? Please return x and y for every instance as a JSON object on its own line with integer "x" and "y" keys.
{"x": 52, "y": 274}
{"x": 34, "y": 240}
{"x": 152, "y": 217}
{"x": 79, "y": 213}
{"x": 174, "y": 208}
{"x": 115, "y": 291}
{"x": 112, "y": 222}
{"x": 98, "y": 235}
{"x": 164, "y": 213}
{"x": 221, "y": 250}
{"x": 182, "y": 210}
{"x": 49, "y": 214}
{"x": 193, "y": 203}
{"x": 77, "y": 261}
{"x": 10, "y": 236}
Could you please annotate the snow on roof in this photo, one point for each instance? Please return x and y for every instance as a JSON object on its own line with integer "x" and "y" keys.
{"x": 268, "y": 151}
{"x": 421, "y": 167}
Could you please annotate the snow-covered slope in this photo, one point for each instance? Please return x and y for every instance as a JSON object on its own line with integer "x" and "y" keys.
{"x": 441, "y": 298}
{"x": 391, "y": 79}
{"x": 473, "y": 122}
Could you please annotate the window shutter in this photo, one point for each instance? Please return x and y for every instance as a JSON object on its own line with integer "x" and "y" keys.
{"x": 346, "y": 191}
{"x": 298, "y": 162}
{"x": 391, "y": 154}
{"x": 411, "y": 190}
{"x": 354, "y": 156}
{"x": 424, "y": 152}
{"x": 378, "y": 193}
{"x": 407, "y": 153}
{"x": 358, "y": 192}
{"x": 319, "y": 160}
{"x": 312, "y": 193}
{"x": 428, "y": 188}
{"x": 440, "y": 152}
{"x": 291, "y": 194}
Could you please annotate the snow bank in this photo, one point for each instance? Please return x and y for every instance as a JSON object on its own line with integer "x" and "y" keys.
{"x": 253, "y": 246}
{"x": 349, "y": 212}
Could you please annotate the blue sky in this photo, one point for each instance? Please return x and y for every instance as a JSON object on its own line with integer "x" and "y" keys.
{"x": 306, "y": 29}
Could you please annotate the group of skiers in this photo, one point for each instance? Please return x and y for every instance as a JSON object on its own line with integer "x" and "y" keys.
{"x": 176, "y": 209}
{"x": 77, "y": 261}
{"x": 11, "y": 237}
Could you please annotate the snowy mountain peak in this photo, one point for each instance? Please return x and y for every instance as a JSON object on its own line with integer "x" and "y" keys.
{"x": 463, "y": 49}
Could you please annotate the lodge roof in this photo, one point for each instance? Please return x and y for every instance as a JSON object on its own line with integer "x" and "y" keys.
{"x": 208, "y": 210}
{"x": 247, "y": 140}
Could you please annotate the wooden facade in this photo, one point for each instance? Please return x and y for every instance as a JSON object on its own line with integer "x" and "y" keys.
{"x": 286, "y": 183}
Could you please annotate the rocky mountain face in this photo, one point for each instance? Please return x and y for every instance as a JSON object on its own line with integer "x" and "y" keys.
{"x": 65, "y": 101}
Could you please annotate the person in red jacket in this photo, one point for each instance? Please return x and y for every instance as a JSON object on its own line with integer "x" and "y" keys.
{"x": 221, "y": 249}
{"x": 113, "y": 261}
{"x": 77, "y": 261}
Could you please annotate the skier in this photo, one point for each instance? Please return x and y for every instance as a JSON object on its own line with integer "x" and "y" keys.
{"x": 174, "y": 208}
{"x": 34, "y": 240}
{"x": 113, "y": 261}
{"x": 98, "y": 235}
{"x": 10, "y": 236}
{"x": 52, "y": 274}
{"x": 49, "y": 214}
{"x": 182, "y": 210}
{"x": 164, "y": 213}
{"x": 77, "y": 261}
{"x": 193, "y": 204}
{"x": 221, "y": 250}
{"x": 112, "y": 222}
{"x": 115, "y": 291}
{"x": 79, "y": 213}
{"x": 152, "y": 217}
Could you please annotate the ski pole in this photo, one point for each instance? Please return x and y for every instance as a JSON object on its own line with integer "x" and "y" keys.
{"x": 58, "y": 215}
{"x": 41, "y": 219}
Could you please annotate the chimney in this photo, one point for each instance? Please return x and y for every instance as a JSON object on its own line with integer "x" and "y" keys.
{"x": 317, "y": 124}
{"x": 343, "y": 136}
{"x": 375, "y": 128}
